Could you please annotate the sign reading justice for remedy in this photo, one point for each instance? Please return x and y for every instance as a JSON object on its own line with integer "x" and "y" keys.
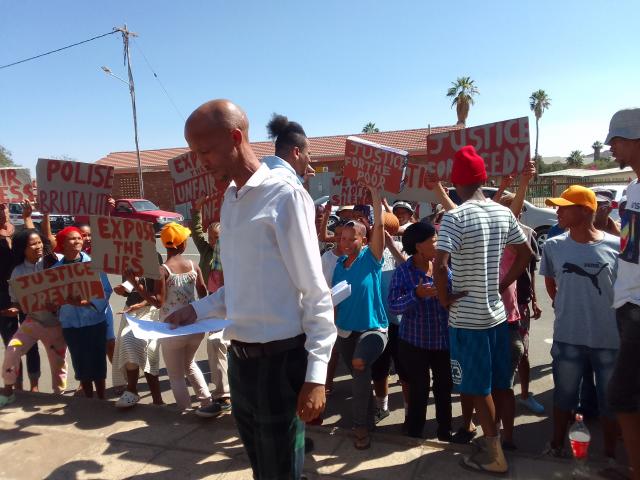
{"x": 503, "y": 145}
{"x": 190, "y": 179}
{"x": 55, "y": 285}
{"x": 375, "y": 165}
{"x": 121, "y": 243}
{"x": 15, "y": 185}
{"x": 73, "y": 188}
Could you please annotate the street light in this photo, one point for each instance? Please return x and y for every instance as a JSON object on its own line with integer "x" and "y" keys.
{"x": 132, "y": 92}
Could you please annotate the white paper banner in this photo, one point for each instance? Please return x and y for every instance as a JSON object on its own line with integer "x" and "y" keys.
{"x": 146, "y": 330}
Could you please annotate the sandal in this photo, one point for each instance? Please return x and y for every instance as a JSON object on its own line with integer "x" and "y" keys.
{"x": 363, "y": 438}
{"x": 127, "y": 400}
{"x": 469, "y": 463}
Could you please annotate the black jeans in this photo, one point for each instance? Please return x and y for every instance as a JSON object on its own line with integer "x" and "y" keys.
{"x": 624, "y": 386}
{"x": 418, "y": 363}
{"x": 264, "y": 399}
{"x": 8, "y": 328}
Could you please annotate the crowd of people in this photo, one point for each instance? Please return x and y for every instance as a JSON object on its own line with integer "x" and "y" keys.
{"x": 447, "y": 299}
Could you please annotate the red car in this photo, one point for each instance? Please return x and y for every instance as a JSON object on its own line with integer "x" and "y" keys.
{"x": 141, "y": 209}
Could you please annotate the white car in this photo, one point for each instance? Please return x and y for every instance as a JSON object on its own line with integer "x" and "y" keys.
{"x": 58, "y": 222}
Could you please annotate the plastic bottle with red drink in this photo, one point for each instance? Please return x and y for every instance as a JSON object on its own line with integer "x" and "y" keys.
{"x": 580, "y": 438}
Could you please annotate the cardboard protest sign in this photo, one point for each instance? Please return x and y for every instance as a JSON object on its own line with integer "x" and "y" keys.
{"x": 15, "y": 185}
{"x": 375, "y": 165}
{"x": 503, "y": 145}
{"x": 212, "y": 206}
{"x": 190, "y": 180}
{"x": 415, "y": 189}
{"x": 121, "y": 243}
{"x": 73, "y": 188}
{"x": 347, "y": 192}
{"x": 55, "y": 285}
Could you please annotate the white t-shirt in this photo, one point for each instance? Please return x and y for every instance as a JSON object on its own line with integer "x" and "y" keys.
{"x": 329, "y": 260}
{"x": 627, "y": 286}
{"x": 475, "y": 234}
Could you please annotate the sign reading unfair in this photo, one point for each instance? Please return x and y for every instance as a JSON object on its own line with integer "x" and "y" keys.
{"x": 503, "y": 145}
{"x": 54, "y": 286}
{"x": 15, "y": 185}
{"x": 73, "y": 188}
{"x": 213, "y": 205}
{"x": 190, "y": 179}
{"x": 121, "y": 243}
{"x": 374, "y": 165}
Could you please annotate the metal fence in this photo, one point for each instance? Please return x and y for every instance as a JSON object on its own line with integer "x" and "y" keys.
{"x": 537, "y": 193}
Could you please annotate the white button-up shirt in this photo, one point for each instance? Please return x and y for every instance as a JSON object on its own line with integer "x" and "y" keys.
{"x": 274, "y": 286}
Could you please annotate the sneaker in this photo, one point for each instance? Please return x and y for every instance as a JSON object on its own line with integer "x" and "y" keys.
{"x": 532, "y": 404}
{"x": 463, "y": 436}
{"x": 554, "y": 452}
{"x": 380, "y": 415}
{"x": 216, "y": 409}
{"x": 445, "y": 436}
{"x": 7, "y": 400}
{"x": 127, "y": 400}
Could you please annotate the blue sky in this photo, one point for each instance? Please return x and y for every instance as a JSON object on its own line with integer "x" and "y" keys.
{"x": 332, "y": 65}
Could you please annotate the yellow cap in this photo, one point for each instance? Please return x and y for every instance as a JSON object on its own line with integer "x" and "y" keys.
{"x": 173, "y": 235}
{"x": 575, "y": 195}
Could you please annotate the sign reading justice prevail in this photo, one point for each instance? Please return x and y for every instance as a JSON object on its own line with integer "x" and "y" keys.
{"x": 503, "y": 145}
{"x": 55, "y": 285}
{"x": 121, "y": 243}
{"x": 190, "y": 179}
{"x": 15, "y": 185}
{"x": 375, "y": 165}
{"x": 73, "y": 188}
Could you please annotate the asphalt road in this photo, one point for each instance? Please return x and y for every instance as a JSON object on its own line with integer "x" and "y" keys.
{"x": 531, "y": 432}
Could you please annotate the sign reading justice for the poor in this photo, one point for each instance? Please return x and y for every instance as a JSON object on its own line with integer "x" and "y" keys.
{"x": 503, "y": 145}
{"x": 15, "y": 185}
{"x": 73, "y": 188}
{"x": 374, "y": 165}
{"x": 190, "y": 179}
{"x": 55, "y": 285}
{"x": 121, "y": 243}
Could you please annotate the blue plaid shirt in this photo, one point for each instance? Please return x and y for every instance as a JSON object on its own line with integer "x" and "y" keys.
{"x": 424, "y": 322}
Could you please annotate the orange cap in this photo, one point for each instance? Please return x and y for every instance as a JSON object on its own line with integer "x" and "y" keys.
{"x": 575, "y": 195}
{"x": 173, "y": 235}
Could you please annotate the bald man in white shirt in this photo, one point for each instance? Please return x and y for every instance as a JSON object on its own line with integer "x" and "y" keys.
{"x": 275, "y": 294}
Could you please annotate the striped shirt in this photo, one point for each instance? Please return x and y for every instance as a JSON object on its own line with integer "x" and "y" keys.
{"x": 424, "y": 321}
{"x": 475, "y": 234}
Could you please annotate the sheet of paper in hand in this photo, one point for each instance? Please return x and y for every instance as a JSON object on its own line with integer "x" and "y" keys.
{"x": 121, "y": 243}
{"x": 340, "y": 292}
{"x": 503, "y": 145}
{"x": 15, "y": 185}
{"x": 73, "y": 188}
{"x": 375, "y": 165}
{"x": 145, "y": 330}
{"x": 55, "y": 285}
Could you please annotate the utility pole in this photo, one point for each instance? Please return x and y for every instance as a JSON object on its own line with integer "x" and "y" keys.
{"x": 132, "y": 91}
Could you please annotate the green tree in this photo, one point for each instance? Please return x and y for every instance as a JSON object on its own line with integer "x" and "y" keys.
{"x": 370, "y": 128}
{"x": 5, "y": 158}
{"x": 597, "y": 147}
{"x": 462, "y": 91}
{"x": 575, "y": 159}
{"x": 539, "y": 101}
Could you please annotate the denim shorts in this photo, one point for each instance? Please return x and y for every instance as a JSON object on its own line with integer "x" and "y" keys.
{"x": 568, "y": 365}
{"x": 624, "y": 388}
{"x": 480, "y": 359}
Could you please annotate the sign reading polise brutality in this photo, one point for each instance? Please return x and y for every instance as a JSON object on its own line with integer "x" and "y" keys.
{"x": 15, "y": 185}
{"x": 190, "y": 179}
{"x": 73, "y": 188}
{"x": 55, "y": 285}
{"x": 503, "y": 145}
{"x": 121, "y": 243}
{"x": 375, "y": 165}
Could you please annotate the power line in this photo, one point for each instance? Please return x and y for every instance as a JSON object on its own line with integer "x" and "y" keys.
{"x": 159, "y": 81}
{"x": 56, "y": 50}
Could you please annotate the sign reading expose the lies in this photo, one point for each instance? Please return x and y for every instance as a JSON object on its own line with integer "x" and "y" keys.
{"x": 375, "y": 165}
{"x": 15, "y": 185}
{"x": 73, "y": 188}
{"x": 55, "y": 285}
{"x": 190, "y": 180}
{"x": 503, "y": 145}
{"x": 121, "y": 243}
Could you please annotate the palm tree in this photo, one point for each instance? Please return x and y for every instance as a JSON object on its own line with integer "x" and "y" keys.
{"x": 370, "y": 128}
{"x": 539, "y": 101}
{"x": 597, "y": 146}
{"x": 575, "y": 159}
{"x": 462, "y": 92}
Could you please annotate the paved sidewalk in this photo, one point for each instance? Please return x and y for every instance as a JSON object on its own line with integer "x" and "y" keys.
{"x": 52, "y": 437}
